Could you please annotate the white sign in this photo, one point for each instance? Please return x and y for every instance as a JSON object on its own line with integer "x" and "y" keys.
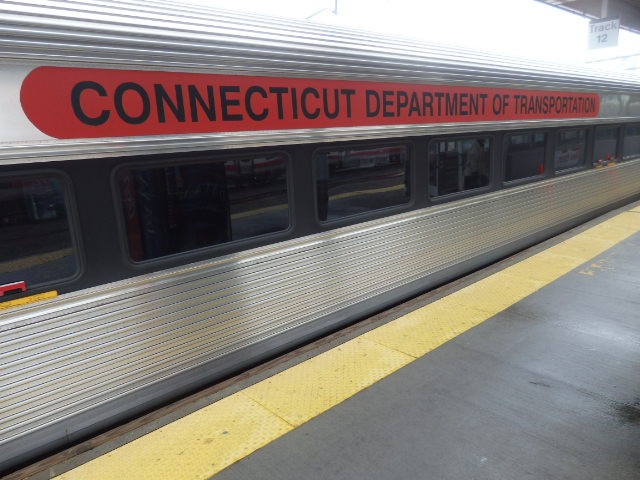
{"x": 604, "y": 33}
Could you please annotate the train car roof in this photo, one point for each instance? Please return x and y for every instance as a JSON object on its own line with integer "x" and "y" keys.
{"x": 169, "y": 35}
{"x": 48, "y": 47}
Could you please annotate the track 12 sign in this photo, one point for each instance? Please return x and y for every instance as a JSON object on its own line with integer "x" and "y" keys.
{"x": 603, "y": 33}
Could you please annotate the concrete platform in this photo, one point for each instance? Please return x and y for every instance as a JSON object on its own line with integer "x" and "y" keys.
{"x": 549, "y": 388}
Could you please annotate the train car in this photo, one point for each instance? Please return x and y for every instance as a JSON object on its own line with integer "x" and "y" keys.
{"x": 185, "y": 192}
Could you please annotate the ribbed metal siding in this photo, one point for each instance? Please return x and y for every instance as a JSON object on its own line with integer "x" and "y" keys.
{"x": 160, "y": 34}
{"x": 83, "y": 349}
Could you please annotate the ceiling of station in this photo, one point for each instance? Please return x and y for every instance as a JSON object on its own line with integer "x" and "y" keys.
{"x": 627, "y": 10}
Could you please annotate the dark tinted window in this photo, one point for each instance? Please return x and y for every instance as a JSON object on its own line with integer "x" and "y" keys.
{"x": 35, "y": 234}
{"x": 353, "y": 181}
{"x": 570, "y": 148}
{"x": 631, "y": 142}
{"x": 605, "y": 146}
{"x": 458, "y": 164}
{"x": 525, "y": 155}
{"x": 181, "y": 207}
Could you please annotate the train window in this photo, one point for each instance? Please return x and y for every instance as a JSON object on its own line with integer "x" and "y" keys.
{"x": 456, "y": 165}
{"x": 355, "y": 181}
{"x": 570, "y": 149}
{"x": 35, "y": 230}
{"x": 605, "y": 146}
{"x": 525, "y": 155}
{"x": 181, "y": 207}
{"x": 631, "y": 142}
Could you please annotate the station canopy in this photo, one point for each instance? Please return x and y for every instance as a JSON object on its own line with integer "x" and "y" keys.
{"x": 628, "y": 11}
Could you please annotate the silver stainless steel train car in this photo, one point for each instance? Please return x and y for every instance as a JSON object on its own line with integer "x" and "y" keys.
{"x": 185, "y": 192}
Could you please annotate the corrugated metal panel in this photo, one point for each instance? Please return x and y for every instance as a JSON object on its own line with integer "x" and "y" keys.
{"x": 84, "y": 349}
{"x": 156, "y": 144}
{"x": 158, "y": 35}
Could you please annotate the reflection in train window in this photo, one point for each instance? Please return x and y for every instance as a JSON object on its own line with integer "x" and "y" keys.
{"x": 181, "y": 207}
{"x": 350, "y": 181}
{"x": 570, "y": 149}
{"x": 35, "y": 233}
{"x": 631, "y": 142}
{"x": 605, "y": 146}
{"x": 458, "y": 165}
{"x": 525, "y": 156}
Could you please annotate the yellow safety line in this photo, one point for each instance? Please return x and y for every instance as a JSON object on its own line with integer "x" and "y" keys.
{"x": 39, "y": 297}
{"x": 340, "y": 196}
{"x": 258, "y": 211}
{"x": 34, "y": 260}
{"x": 355, "y": 193}
{"x": 205, "y": 442}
